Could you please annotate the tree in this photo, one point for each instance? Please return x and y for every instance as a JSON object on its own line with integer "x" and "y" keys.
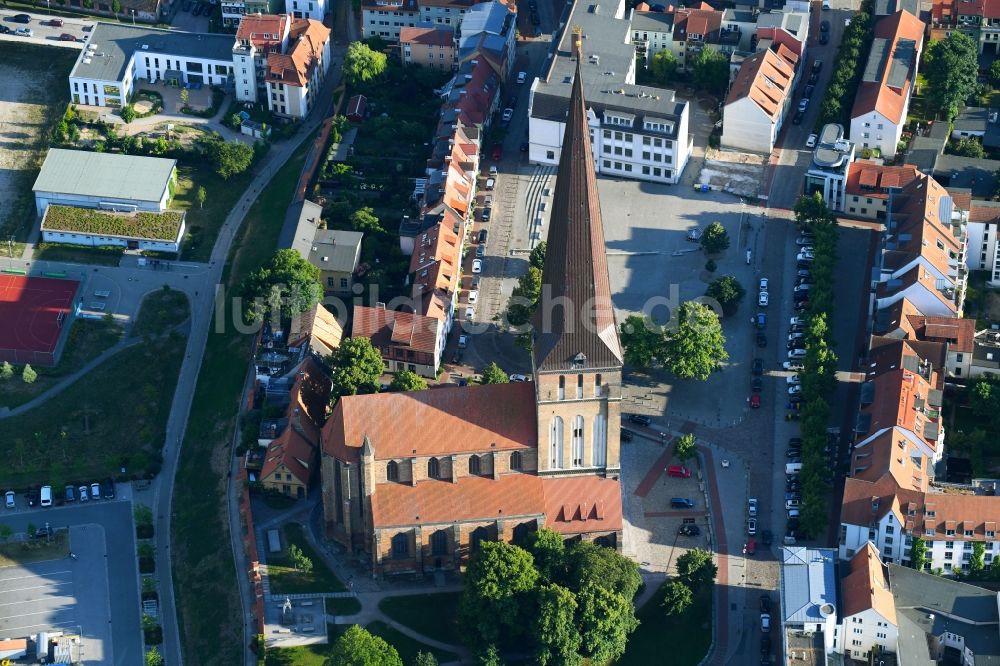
{"x": 968, "y": 147}
{"x": 405, "y": 380}
{"x": 185, "y": 96}
{"x": 6, "y": 370}
{"x": 994, "y": 73}
{"x": 365, "y": 220}
{"x": 728, "y": 292}
{"x": 994, "y": 571}
{"x": 678, "y": 597}
{"x": 696, "y": 568}
{"x": 643, "y": 342}
{"x": 811, "y": 211}
{"x": 537, "y": 257}
{"x": 230, "y": 157}
{"x": 300, "y": 561}
{"x": 492, "y": 374}
{"x": 663, "y": 67}
{"x": 425, "y": 659}
{"x": 153, "y": 656}
{"x": 549, "y": 551}
{"x": 951, "y": 68}
{"x": 977, "y": 564}
{"x": 287, "y": 284}
{"x": 5, "y": 532}
{"x": 605, "y": 618}
{"x": 128, "y": 111}
{"x": 524, "y": 297}
{"x": 491, "y": 657}
{"x": 200, "y": 196}
{"x": 918, "y": 553}
{"x": 358, "y": 647}
{"x": 499, "y": 578}
{"x": 696, "y": 346}
{"x": 684, "y": 447}
{"x": 711, "y": 71}
{"x": 554, "y": 626}
{"x": 586, "y": 562}
{"x": 28, "y": 375}
{"x": 362, "y": 64}
{"x": 714, "y": 239}
{"x": 357, "y": 367}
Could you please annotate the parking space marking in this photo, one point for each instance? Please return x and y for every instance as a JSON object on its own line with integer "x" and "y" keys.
{"x": 658, "y": 469}
{"x": 36, "y": 587}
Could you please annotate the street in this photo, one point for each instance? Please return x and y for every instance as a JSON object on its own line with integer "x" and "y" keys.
{"x": 44, "y": 32}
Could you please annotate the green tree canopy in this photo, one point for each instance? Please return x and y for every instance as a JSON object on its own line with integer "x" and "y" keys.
{"x": 605, "y": 619}
{"x": 6, "y": 370}
{"x": 362, "y": 64}
{"x": 537, "y": 257}
{"x": 549, "y": 551}
{"x": 28, "y": 375}
{"x": 811, "y": 211}
{"x": 678, "y": 597}
{"x": 358, "y": 647}
{"x": 499, "y": 577}
{"x": 951, "y": 67}
{"x": 696, "y": 568}
{"x": 287, "y": 283}
{"x": 365, "y": 220}
{"x": 357, "y": 367}
{"x": 230, "y": 157}
{"x": 711, "y": 71}
{"x": 684, "y": 447}
{"x": 643, "y": 342}
{"x": 127, "y": 113}
{"x": 405, "y": 380}
{"x": 714, "y": 239}
{"x": 728, "y": 291}
{"x": 696, "y": 346}
{"x": 968, "y": 147}
{"x": 589, "y": 563}
{"x": 201, "y": 196}
{"x": 524, "y": 297}
{"x": 663, "y": 67}
{"x": 425, "y": 659}
{"x": 493, "y": 374}
{"x": 554, "y": 626}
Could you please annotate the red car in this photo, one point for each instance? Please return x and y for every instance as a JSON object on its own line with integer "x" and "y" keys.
{"x": 751, "y": 546}
{"x": 497, "y": 153}
{"x": 755, "y": 401}
{"x": 679, "y": 471}
{"x": 66, "y": 37}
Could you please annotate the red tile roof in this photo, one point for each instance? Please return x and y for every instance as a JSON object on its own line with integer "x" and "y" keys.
{"x": 427, "y": 35}
{"x": 494, "y": 417}
{"x": 892, "y": 455}
{"x": 393, "y": 328}
{"x": 318, "y": 327}
{"x": 765, "y": 79}
{"x": 878, "y": 95}
{"x": 295, "y": 68}
{"x": 291, "y": 451}
{"x": 296, "y": 446}
{"x": 867, "y": 586}
{"x": 265, "y": 31}
{"x": 579, "y": 504}
{"x": 945, "y": 329}
{"x": 701, "y": 20}
{"x": 869, "y": 179}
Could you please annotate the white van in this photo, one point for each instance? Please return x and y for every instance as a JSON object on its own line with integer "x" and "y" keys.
{"x": 46, "y": 496}
{"x": 793, "y": 468}
{"x": 793, "y": 513}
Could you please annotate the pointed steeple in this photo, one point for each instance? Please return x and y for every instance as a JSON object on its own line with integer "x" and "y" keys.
{"x": 575, "y": 320}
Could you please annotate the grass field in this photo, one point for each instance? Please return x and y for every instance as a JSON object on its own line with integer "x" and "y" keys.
{"x": 407, "y": 647}
{"x": 113, "y": 417}
{"x": 343, "y": 606}
{"x": 87, "y": 339}
{"x": 433, "y": 615}
{"x": 285, "y": 579}
{"x": 36, "y": 550}
{"x": 78, "y": 254}
{"x": 687, "y": 636}
{"x": 204, "y": 572}
{"x": 316, "y": 655}
{"x": 161, "y": 310}
{"x": 203, "y": 223}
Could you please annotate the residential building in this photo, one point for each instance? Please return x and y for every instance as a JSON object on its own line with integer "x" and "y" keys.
{"x": 652, "y": 32}
{"x": 279, "y": 350}
{"x": 257, "y": 37}
{"x": 758, "y": 100}
{"x": 831, "y": 163}
{"x": 444, "y": 12}
{"x": 979, "y": 122}
{"x": 108, "y": 181}
{"x": 135, "y": 230}
{"x": 869, "y": 185}
{"x": 807, "y": 586}
{"x": 984, "y": 234}
{"x": 117, "y": 55}
{"x": 315, "y": 332}
{"x": 870, "y": 625}
{"x": 295, "y": 78}
{"x": 985, "y": 353}
{"x": 638, "y": 132}
{"x": 407, "y": 341}
{"x": 973, "y": 174}
{"x": 418, "y": 480}
{"x": 234, "y": 10}
{"x": 890, "y": 7}
{"x": 488, "y": 31}
{"x": 698, "y": 26}
{"x": 306, "y": 9}
{"x": 956, "y": 334}
{"x": 883, "y": 97}
{"x": 428, "y": 45}
{"x": 334, "y": 252}
{"x": 385, "y": 18}
{"x": 977, "y": 19}
{"x": 788, "y": 27}
{"x": 923, "y": 251}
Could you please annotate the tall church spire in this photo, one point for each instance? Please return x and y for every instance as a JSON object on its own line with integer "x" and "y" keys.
{"x": 575, "y": 320}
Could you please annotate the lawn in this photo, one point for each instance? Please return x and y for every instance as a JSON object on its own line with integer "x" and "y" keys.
{"x": 113, "y": 417}
{"x": 688, "y": 635}
{"x": 407, "y": 647}
{"x": 79, "y": 254}
{"x": 36, "y": 550}
{"x": 433, "y": 615}
{"x": 161, "y": 310}
{"x": 316, "y": 655}
{"x": 203, "y": 223}
{"x": 343, "y": 606}
{"x": 204, "y": 571}
{"x": 285, "y": 579}
{"x": 87, "y": 339}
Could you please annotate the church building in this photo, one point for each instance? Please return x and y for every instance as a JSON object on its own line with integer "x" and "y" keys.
{"x": 417, "y": 480}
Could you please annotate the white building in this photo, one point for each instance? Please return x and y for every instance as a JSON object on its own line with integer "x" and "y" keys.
{"x": 757, "y": 103}
{"x": 831, "y": 162}
{"x": 444, "y": 12}
{"x": 116, "y": 55}
{"x": 257, "y": 37}
{"x": 489, "y": 29}
{"x": 384, "y": 18}
{"x": 883, "y": 98}
{"x": 652, "y": 32}
{"x": 637, "y": 132}
{"x": 309, "y": 9}
{"x": 137, "y": 230}
{"x": 104, "y": 180}
{"x": 869, "y": 613}
{"x": 295, "y": 78}
{"x": 808, "y": 602}
{"x": 234, "y": 10}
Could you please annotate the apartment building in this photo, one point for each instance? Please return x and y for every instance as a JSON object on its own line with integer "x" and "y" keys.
{"x": 984, "y": 243}
{"x": 307, "y": 9}
{"x": 883, "y": 97}
{"x": 869, "y": 620}
{"x": 257, "y": 37}
{"x": 807, "y": 586}
{"x": 117, "y": 56}
{"x": 977, "y": 19}
{"x": 788, "y": 27}
{"x": 698, "y": 26}
{"x": 488, "y": 31}
{"x": 757, "y": 103}
{"x": 870, "y": 184}
{"x": 407, "y": 341}
{"x": 385, "y": 18}
{"x": 652, "y": 32}
{"x": 295, "y": 77}
{"x": 957, "y": 336}
{"x": 831, "y": 163}
{"x": 428, "y": 45}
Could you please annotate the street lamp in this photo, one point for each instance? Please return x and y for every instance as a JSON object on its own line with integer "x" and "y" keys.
{"x": 133, "y": 16}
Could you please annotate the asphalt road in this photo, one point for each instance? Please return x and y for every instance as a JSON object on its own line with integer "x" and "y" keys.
{"x": 45, "y": 33}
{"x": 120, "y": 569}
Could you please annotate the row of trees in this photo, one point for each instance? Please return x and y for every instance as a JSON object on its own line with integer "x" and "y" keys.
{"x": 691, "y": 345}
{"x": 847, "y": 68}
{"x": 709, "y": 70}
{"x": 28, "y": 374}
{"x": 695, "y": 575}
{"x": 566, "y": 603}
{"x": 820, "y": 363}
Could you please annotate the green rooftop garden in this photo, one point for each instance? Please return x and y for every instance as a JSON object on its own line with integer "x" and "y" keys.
{"x": 153, "y": 226}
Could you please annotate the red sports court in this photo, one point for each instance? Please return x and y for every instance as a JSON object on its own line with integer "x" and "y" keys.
{"x": 33, "y": 314}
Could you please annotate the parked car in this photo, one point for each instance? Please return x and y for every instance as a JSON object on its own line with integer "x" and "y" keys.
{"x": 20, "y": 18}
{"x": 678, "y": 471}
{"x": 792, "y": 365}
{"x": 477, "y": 265}
{"x": 796, "y": 353}
{"x": 470, "y": 313}
{"x": 522, "y": 77}
{"x": 755, "y": 401}
{"x": 817, "y": 65}
{"x": 795, "y": 321}
{"x": 761, "y": 339}
{"x": 480, "y": 251}
{"x": 463, "y": 341}
{"x": 752, "y": 507}
{"x": 751, "y": 526}
{"x": 793, "y": 379}
{"x": 811, "y": 141}
{"x": 824, "y": 26}
{"x": 681, "y": 503}
{"x": 473, "y": 297}
{"x": 490, "y": 183}
{"x": 762, "y": 299}
{"x": 760, "y": 320}
{"x": 9, "y": 501}
{"x": 756, "y": 385}
{"x": 518, "y": 378}
{"x": 803, "y": 104}
{"x": 66, "y": 37}
{"x": 508, "y": 113}
{"x": 824, "y": 38}
{"x": 45, "y": 496}
{"x": 751, "y": 547}
{"x": 497, "y": 154}
{"x": 640, "y": 419}
{"x": 808, "y": 92}
{"x": 24, "y": 32}
{"x": 762, "y": 285}
{"x": 487, "y": 212}
{"x": 56, "y": 22}
{"x": 765, "y": 623}
{"x": 688, "y": 530}
{"x": 69, "y": 494}
{"x": 84, "y": 495}
{"x": 757, "y": 367}
{"x": 483, "y": 235}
